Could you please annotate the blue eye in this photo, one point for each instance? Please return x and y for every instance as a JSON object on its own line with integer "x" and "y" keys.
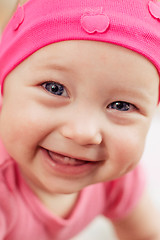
{"x": 55, "y": 88}
{"x": 121, "y": 106}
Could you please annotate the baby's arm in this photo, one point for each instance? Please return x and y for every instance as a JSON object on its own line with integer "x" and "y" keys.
{"x": 143, "y": 223}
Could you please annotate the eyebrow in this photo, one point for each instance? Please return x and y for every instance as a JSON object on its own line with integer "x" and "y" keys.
{"x": 134, "y": 93}
{"x": 55, "y": 66}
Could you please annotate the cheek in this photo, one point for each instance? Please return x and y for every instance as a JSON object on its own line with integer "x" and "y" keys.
{"x": 20, "y": 130}
{"x": 127, "y": 148}
{"x": 28, "y": 127}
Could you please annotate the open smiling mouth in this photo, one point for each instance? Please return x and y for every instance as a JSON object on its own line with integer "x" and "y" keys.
{"x": 66, "y": 165}
{"x": 64, "y": 160}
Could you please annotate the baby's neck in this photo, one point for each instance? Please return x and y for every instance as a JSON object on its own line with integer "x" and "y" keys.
{"x": 60, "y": 205}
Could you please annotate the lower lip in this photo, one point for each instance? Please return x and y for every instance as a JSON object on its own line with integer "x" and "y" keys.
{"x": 67, "y": 170}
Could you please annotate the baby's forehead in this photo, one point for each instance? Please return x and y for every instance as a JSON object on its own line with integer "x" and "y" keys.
{"x": 77, "y": 56}
{"x": 64, "y": 52}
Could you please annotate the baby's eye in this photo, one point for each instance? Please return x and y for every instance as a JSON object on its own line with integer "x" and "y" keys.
{"x": 121, "y": 106}
{"x": 55, "y": 88}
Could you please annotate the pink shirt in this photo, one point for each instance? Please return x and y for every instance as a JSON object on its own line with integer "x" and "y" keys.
{"x": 22, "y": 215}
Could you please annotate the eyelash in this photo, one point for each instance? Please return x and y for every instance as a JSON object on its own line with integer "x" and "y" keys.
{"x": 121, "y": 106}
{"x": 55, "y": 88}
{"x": 59, "y": 90}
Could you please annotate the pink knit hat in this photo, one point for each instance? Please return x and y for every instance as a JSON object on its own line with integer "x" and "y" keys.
{"x": 134, "y": 24}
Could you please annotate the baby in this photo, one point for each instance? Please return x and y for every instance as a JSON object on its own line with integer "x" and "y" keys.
{"x": 80, "y": 84}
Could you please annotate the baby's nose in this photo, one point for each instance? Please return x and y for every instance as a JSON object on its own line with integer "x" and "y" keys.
{"x": 83, "y": 131}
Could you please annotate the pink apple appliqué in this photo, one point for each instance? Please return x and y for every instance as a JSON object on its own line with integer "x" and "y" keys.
{"x": 92, "y": 23}
{"x": 18, "y": 18}
{"x": 154, "y": 8}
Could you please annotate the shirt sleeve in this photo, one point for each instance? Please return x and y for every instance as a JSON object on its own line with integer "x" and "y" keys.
{"x": 7, "y": 211}
{"x": 123, "y": 194}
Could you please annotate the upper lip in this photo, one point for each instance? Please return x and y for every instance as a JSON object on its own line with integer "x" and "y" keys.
{"x": 74, "y": 157}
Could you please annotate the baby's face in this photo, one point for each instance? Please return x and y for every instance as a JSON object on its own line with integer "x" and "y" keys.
{"x": 77, "y": 113}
